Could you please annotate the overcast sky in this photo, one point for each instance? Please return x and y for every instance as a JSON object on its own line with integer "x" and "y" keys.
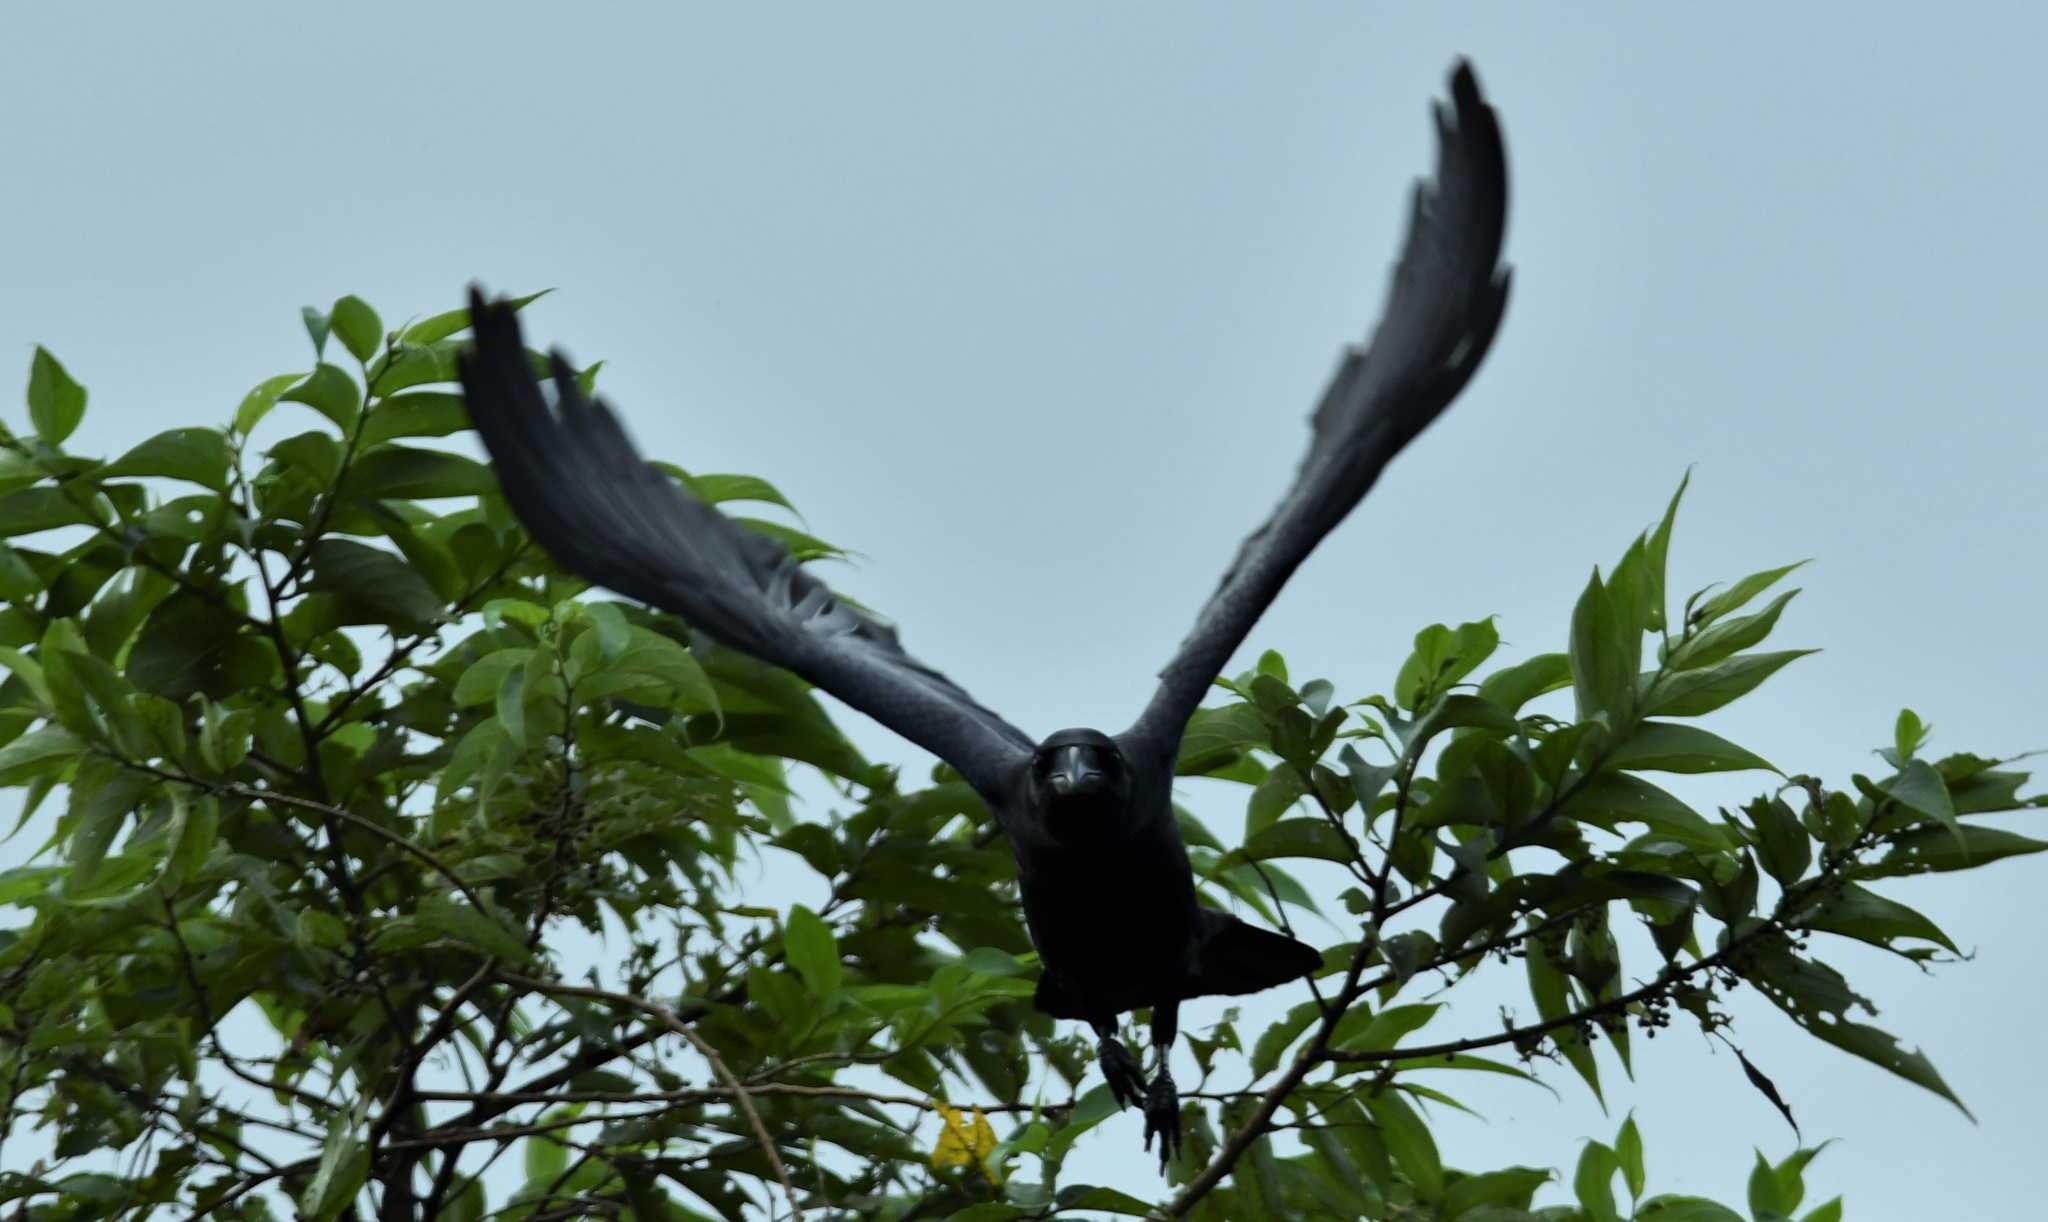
{"x": 1027, "y": 305}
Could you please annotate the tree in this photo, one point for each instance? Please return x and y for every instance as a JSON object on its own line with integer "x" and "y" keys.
{"x": 345, "y": 763}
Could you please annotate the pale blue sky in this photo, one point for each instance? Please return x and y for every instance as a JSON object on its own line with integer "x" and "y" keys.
{"x": 989, "y": 289}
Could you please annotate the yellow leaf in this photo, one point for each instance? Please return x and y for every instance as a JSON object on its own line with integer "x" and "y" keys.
{"x": 963, "y": 1141}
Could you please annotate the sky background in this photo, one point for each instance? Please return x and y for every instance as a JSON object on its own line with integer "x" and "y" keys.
{"x": 1028, "y": 306}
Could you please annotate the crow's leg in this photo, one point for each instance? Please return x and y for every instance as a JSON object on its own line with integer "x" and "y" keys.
{"x": 1120, "y": 1067}
{"x": 1162, "y": 1098}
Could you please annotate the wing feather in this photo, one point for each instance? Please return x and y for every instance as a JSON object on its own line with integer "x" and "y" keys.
{"x": 581, "y": 488}
{"x": 1443, "y": 305}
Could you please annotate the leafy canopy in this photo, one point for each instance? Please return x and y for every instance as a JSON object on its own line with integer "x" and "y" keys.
{"x": 329, "y": 767}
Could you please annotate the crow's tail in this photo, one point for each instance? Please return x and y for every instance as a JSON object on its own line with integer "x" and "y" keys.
{"x": 1240, "y": 958}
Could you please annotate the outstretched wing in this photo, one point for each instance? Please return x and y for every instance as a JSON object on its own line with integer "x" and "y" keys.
{"x": 1442, "y": 307}
{"x": 586, "y": 495}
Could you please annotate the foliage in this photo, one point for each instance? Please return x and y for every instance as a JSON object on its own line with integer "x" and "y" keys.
{"x": 350, "y": 776}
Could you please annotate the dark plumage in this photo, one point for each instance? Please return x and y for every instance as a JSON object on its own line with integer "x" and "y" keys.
{"x": 1108, "y": 893}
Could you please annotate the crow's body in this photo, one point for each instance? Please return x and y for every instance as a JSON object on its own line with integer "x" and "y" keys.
{"x": 1108, "y": 894}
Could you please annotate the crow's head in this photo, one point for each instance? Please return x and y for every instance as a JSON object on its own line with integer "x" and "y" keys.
{"x": 1079, "y": 782}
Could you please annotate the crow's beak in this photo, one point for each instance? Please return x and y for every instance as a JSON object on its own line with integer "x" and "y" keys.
{"x": 1072, "y": 775}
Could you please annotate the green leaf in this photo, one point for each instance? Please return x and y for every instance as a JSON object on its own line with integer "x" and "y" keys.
{"x": 357, "y": 326}
{"x": 1441, "y": 658}
{"x": 546, "y": 1160}
{"x": 184, "y": 646}
{"x": 1408, "y": 1140}
{"x": 1602, "y": 679}
{"x": 1517, "y": 685}
{"x": 1854, "y": 912}
{"x": 1367, "y": 779}
{"x": 475, "y": 757}
{"x": 990, "y": 1211}
{"x": 718, "y": 489}
{"x": 1617, "y": 797}
{"x": 195, "y": 823}
{"x": 30, "y": 672}
{"x": 1693, "y": 692}
{"x": 1510, "y": 1187}
{"x": 199, "y": 456}
{"x": 795, "y": 542}
{"x": 1765, "y": 1196}
{"x": 808, "y": 943}
{"x": 1296, "y": 838}
{"x": 19, "y": 583}
{"x": 1908, "y": 734}
{"x": 317, "y": 454}
{"x": 377, "y": 586}
{"x": 400, "y": 471}
{"x": 1459, "y": 710}
{"x": 511, "y": 704}
{"x": 1628, "y": 1143}
{"x": 1656, "y": 551}
{"x": 1685, "y": 1209}
{"x": 223, "y": 736}
{"x": 1739, "y": 593}
{"x": 1281, "y": 1035}
{"x": 1548, "y": 988}
{"x": 44, "y": 752}
{"x": 1089, "y": 1196}
{"x": 103, "y": 795}
{"x": 453, "y": 918}
{"x": 419, "y": 413}
{"x": 1215, "y": 733}
{"x": 519, "y": 611}
{"x": 1818, "y": 999}
{"x": 1593, "y": 1183}
{"x": 1781, "y": 840}
{"x": 330, "y": 392}
{"x": 33, "y": 509}
{"x": 1665, "y": 746}
{"x": 344, "y": 1164}
{"x": 55, "y": 403}
{"x": 1830, "y": 1212}
{"x": 17, "y": 470}
{"x": 1387, "y": 1028}
{"x": 650, "y": 655}
{"x": 1920, "y": 788}
{"x": 1729, "y": 637}
{"x": 1628, "y": 588}
{"x": 450, "y": 322}
{"x": 986, "y": 960}
{"x": 480, "y": 683}
{"x": 415, "y": 365}
{"x": 1092, "y": 1109}
{"x": 317, "y": 328}
{"x": 613, "y": 633}
{"x": 1273, "y": 797}
{"x": 1925, "y": 850}
{"x": 261, "y": 398}
{"x": 1791, "y": 1175}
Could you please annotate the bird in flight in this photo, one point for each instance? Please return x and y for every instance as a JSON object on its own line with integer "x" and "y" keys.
{"x": 1108, "y": 894}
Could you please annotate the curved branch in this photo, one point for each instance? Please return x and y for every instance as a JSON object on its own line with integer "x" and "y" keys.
{"x": 741, "y": 1098}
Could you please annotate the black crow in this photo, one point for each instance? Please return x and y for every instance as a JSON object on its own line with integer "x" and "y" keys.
{"x": 1108, "y": 894}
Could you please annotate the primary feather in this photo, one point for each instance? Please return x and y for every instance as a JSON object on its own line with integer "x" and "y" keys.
{"x": 587, "y": 496}
{"x": 1443, "y": 305}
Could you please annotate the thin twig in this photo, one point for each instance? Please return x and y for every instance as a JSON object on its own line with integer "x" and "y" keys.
{"x": 746, "y": 1105}
{"x": 741, "y": 1098}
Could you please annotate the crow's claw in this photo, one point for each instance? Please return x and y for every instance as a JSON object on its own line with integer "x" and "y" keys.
{"x": 1120, "y": 1068}
{"x": 1162, "y": 1118}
